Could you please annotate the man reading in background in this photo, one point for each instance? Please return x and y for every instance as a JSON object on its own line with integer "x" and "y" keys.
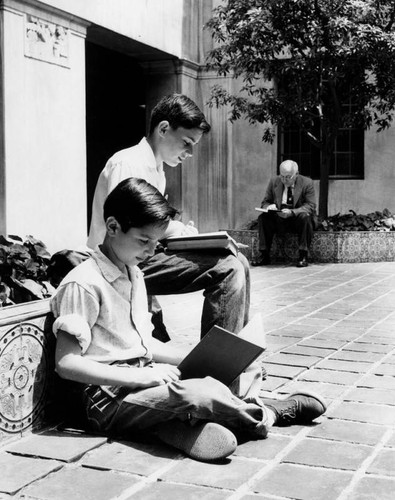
{"x": 288, "y": 206}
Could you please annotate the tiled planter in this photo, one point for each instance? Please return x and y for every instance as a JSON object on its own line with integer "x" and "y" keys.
{"x": 25, "y": 367}
{"x": 352, "y": 246}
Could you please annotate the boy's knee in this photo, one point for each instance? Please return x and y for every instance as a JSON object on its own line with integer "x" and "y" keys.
{"x": 200, "y": 392}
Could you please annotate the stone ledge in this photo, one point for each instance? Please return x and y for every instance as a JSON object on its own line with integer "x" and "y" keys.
{"x": 338, "y": 247}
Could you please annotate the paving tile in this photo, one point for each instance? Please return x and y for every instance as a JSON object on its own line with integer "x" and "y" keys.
{"x": 285, "y": 371}
{"x": 324, "y": 453}
{"x": 90, "y": 485}
{"x": 17, "y": 471}
{"x": 391, "y": 441}
{"x": 293, "y": 360}
{"x": 344, "y": 335}
{"x": 342, "y": 378}
{"x": 367, "y": 347}
{"x": 303, "y": 483}
{"x": 384, "y": 463}
{"x": 361, "y": 412}
{"x": 163, "y": 491}
{"x": 369, "y": 488}
{"x": 290, "y": 431}
{"x": 255, "y": 497}
{"x": 263, "y": 449}
{"x": 369, "y": 395}
{"x": 351, "y": 432}
{"x": 137, "y": 458}
{"x": 344, "y": 366}
{"x": 229, "y": 475}
{"x": 308, "y": 351}
{"x": 362, "y": 356}
{"x": 273, "y": 383}
{"x": 390, "y": 359}
{"x": 378, "y": 382}
{"x": 323, "y": 343}
{"x": 378, "y": 339}
{"x": 385, "y": 369}
{"x": 62, "y": 446}
{"x": 275, "y": 343}
{"x": 330, "y": 391}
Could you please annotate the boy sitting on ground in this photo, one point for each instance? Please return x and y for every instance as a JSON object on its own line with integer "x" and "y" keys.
{"x": 124, "y": 379}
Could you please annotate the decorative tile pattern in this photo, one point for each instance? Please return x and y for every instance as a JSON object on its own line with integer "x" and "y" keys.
{"x": 349, "y": 247}
{"x": 24, "y": 369}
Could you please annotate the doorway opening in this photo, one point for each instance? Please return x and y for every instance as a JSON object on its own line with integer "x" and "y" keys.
{"x": 115, "y": 108}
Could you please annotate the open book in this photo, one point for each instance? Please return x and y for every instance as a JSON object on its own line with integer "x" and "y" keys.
{"x": 221, "y": 355}
{"x": 204, "y": 241}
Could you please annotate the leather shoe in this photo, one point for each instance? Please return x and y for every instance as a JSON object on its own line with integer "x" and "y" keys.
{"x": 298, "y": 408}
{"x": 302, "y": 262}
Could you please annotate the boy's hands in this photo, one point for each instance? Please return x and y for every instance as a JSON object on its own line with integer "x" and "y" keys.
{"x": 189, "y": 229}
{"x": 157, "y": 374}
{"x": 177, "y": 228}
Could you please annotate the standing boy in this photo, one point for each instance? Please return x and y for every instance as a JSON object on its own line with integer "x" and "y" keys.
{"x": 123, "y": 380}
{"x": 176, "y": 127}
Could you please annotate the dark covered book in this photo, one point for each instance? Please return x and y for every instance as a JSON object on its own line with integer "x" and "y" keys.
{"x": 221, "y": 355}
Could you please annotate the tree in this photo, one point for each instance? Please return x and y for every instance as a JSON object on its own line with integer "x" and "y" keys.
{"x": 318, "y": 54}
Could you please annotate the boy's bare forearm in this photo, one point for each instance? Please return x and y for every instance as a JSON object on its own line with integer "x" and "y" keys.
{"x": 71, "y": 365}
{"x": 168, "y": 353}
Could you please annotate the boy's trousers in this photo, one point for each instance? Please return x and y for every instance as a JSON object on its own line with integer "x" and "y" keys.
{"x": 193, "y": 400}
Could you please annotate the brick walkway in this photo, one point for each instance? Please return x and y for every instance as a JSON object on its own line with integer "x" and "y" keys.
{"x": 329, "y": 328}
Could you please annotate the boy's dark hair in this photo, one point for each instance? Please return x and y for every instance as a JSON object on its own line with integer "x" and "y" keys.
{"x": 136, "y": 203}
{"x": 179, "y": 111}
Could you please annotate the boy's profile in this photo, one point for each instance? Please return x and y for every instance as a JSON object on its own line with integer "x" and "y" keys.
{"x": 123, "y": 380}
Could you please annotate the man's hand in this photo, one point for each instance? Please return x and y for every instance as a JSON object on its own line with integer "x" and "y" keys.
{"x": 271, "y": 207}
{"x": 285, "y": 213}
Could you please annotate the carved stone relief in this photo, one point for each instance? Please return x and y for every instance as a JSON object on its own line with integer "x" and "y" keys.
{"x": 46, "y": 41}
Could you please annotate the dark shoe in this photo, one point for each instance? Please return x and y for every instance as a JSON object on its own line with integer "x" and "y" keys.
{"x": 205, "y": 442}
{"x": 302, "y": 262}
{"x": 298, "y": 408}
{"x": 262, "y": 260}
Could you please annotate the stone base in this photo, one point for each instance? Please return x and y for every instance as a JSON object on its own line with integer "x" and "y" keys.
{"x": 347, "y": 246}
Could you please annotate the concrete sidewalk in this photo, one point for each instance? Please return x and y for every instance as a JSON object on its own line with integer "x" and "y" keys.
{"x": 329, "y": 328}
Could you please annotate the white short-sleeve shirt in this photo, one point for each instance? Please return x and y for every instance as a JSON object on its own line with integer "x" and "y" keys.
{"x": 137, "y": 161}
{"x": 105, "y": 310}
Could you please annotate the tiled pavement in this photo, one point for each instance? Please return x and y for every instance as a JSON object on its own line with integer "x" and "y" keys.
{"x": 329, "y": 328}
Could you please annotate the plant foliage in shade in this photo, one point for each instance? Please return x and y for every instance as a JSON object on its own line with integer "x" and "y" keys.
{"x": 375, "y": 221}
{"x": 23, "y": 270}
{"x": 319, "y": 54}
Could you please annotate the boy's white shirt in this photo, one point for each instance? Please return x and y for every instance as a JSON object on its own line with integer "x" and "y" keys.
{"x": 104, "y": 310}
{"x": 137, "y": 161}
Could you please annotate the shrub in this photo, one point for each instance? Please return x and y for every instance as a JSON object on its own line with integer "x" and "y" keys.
{"x": 23, "y": 270}
{"x": 375, "y": 221}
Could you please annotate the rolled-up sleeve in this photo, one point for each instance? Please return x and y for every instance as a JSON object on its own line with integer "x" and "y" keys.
{"x": 76, "y": 311}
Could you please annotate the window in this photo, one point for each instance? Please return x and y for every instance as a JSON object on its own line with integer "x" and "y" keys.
{"x": 347, "y": 162}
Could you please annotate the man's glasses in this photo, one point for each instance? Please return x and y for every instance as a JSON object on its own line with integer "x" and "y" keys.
{"x": 287, "y": 177}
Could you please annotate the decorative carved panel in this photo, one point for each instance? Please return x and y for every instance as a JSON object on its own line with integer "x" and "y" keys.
{"x": 46, "y": 41}
{"x": 26, "y": 365}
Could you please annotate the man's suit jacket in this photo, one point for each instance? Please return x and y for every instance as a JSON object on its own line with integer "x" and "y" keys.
{"x": 304, "y": 195}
